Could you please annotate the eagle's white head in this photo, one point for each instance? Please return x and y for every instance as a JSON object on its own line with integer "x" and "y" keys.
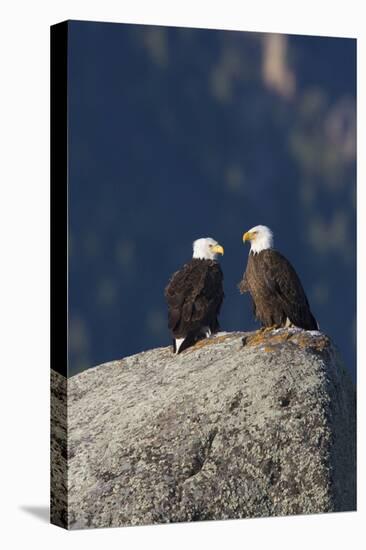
{"x": 206, "y": 249}
{"x": 260, "y": 237}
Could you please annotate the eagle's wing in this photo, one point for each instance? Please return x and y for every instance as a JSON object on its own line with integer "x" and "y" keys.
{"x": 212, "y": 294}
{"x": 281, "y": 278}
{"x": 176, "y": 293}
{"x": 243, "y": 285}
{"x": 194, "y": 294}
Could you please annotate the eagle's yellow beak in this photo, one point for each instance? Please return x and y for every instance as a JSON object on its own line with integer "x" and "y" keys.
{"x": 247, "y": 236}
{"x": 218, "y": 249}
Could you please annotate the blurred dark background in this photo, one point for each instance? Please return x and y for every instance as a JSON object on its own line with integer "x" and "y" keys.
{"x": 178, "y": 133}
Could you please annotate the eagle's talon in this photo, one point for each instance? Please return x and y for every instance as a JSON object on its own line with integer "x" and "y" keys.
{"x": 264, "y": 330}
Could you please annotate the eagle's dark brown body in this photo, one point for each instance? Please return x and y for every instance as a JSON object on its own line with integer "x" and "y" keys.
{"x": 276, "y": 291}
{"x": 194, "y": 295}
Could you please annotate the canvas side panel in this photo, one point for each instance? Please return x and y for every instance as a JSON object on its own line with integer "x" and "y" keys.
{"x": 59, "y": 192}
{"x": 59, "y": 455}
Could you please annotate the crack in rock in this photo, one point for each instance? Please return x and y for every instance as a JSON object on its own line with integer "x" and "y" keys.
{"x": 202, "y": 454}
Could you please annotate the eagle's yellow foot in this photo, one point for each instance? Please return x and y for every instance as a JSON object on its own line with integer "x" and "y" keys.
{"x": 264, "y": 330}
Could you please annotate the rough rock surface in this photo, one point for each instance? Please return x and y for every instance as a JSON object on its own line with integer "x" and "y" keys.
{"x": 242, "y": 425}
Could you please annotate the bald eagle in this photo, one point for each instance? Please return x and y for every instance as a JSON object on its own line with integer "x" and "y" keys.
{"x": 194, "y": 295}
{"x": 278, "y": 297}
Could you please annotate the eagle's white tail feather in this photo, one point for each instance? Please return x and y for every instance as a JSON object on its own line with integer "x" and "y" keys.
{"x": 178, "y": 343}
{"x": 207, "y": 332}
